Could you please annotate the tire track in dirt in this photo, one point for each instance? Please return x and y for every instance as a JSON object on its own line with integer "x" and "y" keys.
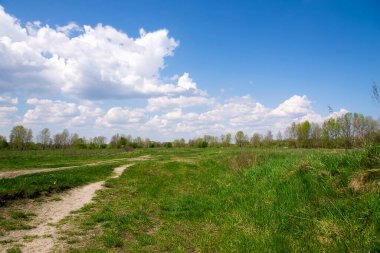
{"x": 44, "y": 236}
{"x": 16, "y": 173}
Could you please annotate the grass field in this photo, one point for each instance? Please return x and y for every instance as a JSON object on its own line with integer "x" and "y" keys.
{"x": 226, "y": 200}
{"x": 17, "y": 160}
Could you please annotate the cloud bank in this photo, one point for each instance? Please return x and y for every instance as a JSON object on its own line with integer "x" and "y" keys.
{"x": 86, "y": 69}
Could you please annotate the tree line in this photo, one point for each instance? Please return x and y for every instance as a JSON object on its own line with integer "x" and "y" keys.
{"x": 351, "y": 130}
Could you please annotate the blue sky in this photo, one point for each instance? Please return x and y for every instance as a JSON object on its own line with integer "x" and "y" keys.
{"x": 326, "y": 53}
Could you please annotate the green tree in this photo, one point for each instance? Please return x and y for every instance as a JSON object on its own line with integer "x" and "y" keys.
{"x": 303, "y": 133}
{"x": 256, "y": 140}
{"x": 225, "y": 139}
{"x": 241, "y": 139}
{"x": 268, "y": 139}
{"x": 43, "y": 138}
{"x": 3, "y": 142}
{"x": 20, "y": 137}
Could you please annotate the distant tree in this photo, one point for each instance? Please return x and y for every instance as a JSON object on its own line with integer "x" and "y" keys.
{"x": 303, "y": 134}
{"x": 201, "y": 143}
{"x": 80, "y": 143}
{"x": 192, "y": 143}
{"x": 179, "y": 143}
{"x": 65, "y": 138}
{"x": 43, "y": 138}
{"x": 315, "y": 135}
{"x": 138, "y": 142}
{"x": 20, "y": 137}
{"x": 73, "y": 139}
{"x": 241, "y": 139}
{"x": 256, "y": 140}
{"x": 212, "y": 141}
{"x": 167, "y": 144}
{"x": 99, "y": 142}
{"x": 57, "y": 140}
{"x": 146, "y": 143}
{"x": 345, "y": 123}
{"x": 122, "y": 142}
{"x": 225, "y": 139}
{"x": 364, "y": 129}
{"x": 114, "y": 142}
{"x": 3, "y": 142}
{"x": 279, "y": 136}
{"x": 330, "y": 133}
{"x": 279, "y": 139}
{"x": 268, "y": 139}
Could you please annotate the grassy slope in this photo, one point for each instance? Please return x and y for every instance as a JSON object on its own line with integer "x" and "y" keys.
{"x": 295, "y": 200}
{"x": 15, "y": 160}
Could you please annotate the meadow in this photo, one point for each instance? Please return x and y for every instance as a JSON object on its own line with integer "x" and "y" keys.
{"x": 53, "y": 158}
{"x": 214, "y": 200}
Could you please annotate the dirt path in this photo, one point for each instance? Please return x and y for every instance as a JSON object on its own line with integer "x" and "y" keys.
{"x": 43, "y": 237}
{"x": 15, "y": 173}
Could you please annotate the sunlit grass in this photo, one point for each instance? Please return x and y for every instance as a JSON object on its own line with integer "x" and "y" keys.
{"x": 286, "y": 200}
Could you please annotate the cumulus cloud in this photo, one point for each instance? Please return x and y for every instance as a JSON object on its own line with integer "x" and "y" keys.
{"x": 121, "y": 117}
{"x": 87, "y": 62}
{"x": 237, "y": 113}
{"x": 293, "y": 106}
{"x": 165, "y": 102}
{"x": 48, "y": 111}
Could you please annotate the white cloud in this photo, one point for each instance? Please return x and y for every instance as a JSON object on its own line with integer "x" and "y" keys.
{"x": 8, "y": 100}
{"x": 165, "y": 115}
{"x": 337, "y": 114}
{"x": 166, "y": 102}
{"x": 186, "y": 82}
{"x": 47, "y": 111}
{"x": 8, "y": 115}
{"x": 295, "y": 105}
{"x": 121, "y": 117}
{"x": 87, "y": 62}
{"x": 90, "y": 64}
{"x": 69, "y": 28}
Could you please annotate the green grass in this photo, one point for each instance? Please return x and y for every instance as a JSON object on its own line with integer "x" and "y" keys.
{"x": 213, "y": 200}
{"x": 14, "y": 220}
{"x": 286, "y": 201}
{"x": 34, "y": 185}
{"x": 16, "y": 160}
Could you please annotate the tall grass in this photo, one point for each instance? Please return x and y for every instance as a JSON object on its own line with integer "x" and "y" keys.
{"x": 239, "y": 201}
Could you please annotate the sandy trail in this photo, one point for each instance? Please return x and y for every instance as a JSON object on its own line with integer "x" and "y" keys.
{"x": 44, "y": 235}
{"x": 15, "y": 173}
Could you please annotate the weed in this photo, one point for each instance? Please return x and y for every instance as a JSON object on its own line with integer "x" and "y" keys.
{"x": 14, "y": 250}
{"x": 29, "y": 238}
{"x": 21, "y": 215}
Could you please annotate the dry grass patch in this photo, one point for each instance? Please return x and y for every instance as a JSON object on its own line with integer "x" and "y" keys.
{"x": 243, "y": 161}
{"x": 328, "y": 231}
{"x": 367, "y": 180}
